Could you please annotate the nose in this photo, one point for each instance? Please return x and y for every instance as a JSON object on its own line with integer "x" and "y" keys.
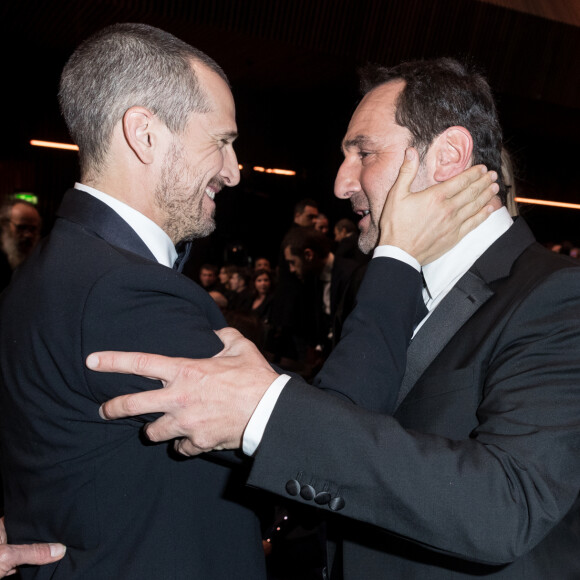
{"x": 347, "y": 180}
{"x": 230, "y": 171}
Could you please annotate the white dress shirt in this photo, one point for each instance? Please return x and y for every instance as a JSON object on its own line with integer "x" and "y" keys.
{"x": 155, "y": 238}
{"x": 440, "y": 276}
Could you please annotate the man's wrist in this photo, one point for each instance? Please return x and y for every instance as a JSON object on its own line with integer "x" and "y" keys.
{"x": 261, "y": 415}
{"x": 386, "y": 251}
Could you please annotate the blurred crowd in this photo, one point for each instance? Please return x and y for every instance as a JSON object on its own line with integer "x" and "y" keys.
{"x": 293, "y": 310}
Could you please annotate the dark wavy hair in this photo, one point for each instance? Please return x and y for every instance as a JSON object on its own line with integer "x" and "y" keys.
{"x": 439, "y": 94}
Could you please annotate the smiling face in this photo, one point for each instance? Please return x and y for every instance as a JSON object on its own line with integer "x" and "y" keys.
{"x": 374, "y": 148}
{"x": 199, "y": 162}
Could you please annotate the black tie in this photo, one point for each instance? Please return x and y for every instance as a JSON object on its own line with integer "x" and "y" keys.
{"x": 183, "y": 249}
{"x": 421, "y": 311}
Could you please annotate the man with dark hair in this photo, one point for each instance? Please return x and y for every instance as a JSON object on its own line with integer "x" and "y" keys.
{"x": 208, "y": 277}
{"x": 305, "y": 212}
{"x": 286, "y": 337}
{"x": 309, "y": 259}
{"x": 460, "y": 459}
{"x": 322, "y": 224}
{"x": 325, "y": 275}
{"x": 20, "y": 225}
{"x": 344, "y": 228}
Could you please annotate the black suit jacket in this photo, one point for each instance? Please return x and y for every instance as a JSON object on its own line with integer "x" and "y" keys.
{"x": 124, "y": 507}
{"x": 477, "y": 474}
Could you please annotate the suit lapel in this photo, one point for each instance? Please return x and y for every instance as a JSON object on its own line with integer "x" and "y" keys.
{"x": 464, "y": 299}
{"x": 469, "y": 294}
{"x": 91, "y": 213}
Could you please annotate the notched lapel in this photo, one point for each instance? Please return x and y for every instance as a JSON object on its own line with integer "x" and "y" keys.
{"x": 464, "y": 299}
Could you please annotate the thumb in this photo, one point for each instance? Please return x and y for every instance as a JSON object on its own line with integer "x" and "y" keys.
{"x": 407, "y": 173}
{"x": 36, "y": 554}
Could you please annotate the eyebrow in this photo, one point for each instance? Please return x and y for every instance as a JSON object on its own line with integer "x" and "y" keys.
{"x": 360, "y": 141}
{"x": 227, "y": 135}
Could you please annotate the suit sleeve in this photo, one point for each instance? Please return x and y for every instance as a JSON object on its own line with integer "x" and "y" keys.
{"x": 368, "y": 364}
{"x": 488, "y": 497}
{"x": 148, "y": 309}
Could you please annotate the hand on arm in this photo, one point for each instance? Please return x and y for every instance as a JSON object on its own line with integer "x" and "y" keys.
{"x": 428, "y": 223}
{"x": 12, "y": 556}
{"x": 207, "y": 402}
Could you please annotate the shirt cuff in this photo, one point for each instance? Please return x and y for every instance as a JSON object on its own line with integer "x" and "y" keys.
{"x": 259, "y": 419}
{"x": 397, "y": 254}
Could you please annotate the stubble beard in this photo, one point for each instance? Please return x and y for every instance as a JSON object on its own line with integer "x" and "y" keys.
{"x": 367, "y": 241}
{"x": 179, "y": 195}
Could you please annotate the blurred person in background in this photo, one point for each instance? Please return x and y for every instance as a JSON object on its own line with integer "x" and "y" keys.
{"x": 20, "y": 225}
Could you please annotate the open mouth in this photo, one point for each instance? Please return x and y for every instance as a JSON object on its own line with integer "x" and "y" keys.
{"x": 362, "y": 213}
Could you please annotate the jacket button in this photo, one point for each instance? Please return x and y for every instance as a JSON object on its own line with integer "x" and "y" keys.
{"x": 307, "y": 492}
{"x": 322, "y": 498}
{"x": 293, "y": 487}
{"x": 336, "y": 503}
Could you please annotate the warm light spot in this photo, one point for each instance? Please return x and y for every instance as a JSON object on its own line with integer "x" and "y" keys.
{"x": 546, "y": 202}
{"x": 275, "y": 171}
{"x": 240, "y": 166}
{"x": 68, "y": 146}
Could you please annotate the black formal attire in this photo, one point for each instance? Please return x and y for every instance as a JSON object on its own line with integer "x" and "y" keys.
{"x": 477, "y": 473}
{"x": 125, "y": 508}
{"x": 5, "y": 271}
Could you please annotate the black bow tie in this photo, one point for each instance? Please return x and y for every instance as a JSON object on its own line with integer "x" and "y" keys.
{"x": 183, "y": 249}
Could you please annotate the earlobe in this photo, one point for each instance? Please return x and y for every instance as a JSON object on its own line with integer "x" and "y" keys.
{"x": 139, "y": 133}
{"x": 454, "y": 152}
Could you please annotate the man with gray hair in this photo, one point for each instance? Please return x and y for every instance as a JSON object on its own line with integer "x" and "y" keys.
{"x": 154, "y": 119}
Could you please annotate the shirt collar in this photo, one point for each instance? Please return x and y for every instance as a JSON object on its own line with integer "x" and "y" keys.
{"x": 158, "y": 242}
{"x": 446, "y": 270}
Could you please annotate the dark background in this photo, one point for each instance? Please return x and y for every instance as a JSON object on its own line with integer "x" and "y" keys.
{"x": 292, "y": 65}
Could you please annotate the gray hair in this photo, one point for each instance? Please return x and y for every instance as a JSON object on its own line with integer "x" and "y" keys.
{"x": 122, "y": 66}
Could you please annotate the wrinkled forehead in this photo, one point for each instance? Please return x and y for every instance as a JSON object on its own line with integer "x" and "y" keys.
{"x": 374, "y": 114}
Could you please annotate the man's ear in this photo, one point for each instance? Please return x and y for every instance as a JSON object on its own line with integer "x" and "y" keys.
{"x": 139, "y": 128}
{"x": 308, "y": 254}
{"x": 453, "y": 151}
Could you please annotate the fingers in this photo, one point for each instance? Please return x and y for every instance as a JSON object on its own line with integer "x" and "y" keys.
{"x": 3, "y": 538}
{"x": 229, "y": 335}
{"x": 152, "y": 366}
{"x": 407, "y": 173}
{"x": 234, "y": 342}
{"x": 135, "y": 404}
{"x": 12, "y": 556}
{"x": 475, "y": 220}
{"x": 474, "y": 185}
{"x": 482, "y": 200}
{"x": 169, "y": 426}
